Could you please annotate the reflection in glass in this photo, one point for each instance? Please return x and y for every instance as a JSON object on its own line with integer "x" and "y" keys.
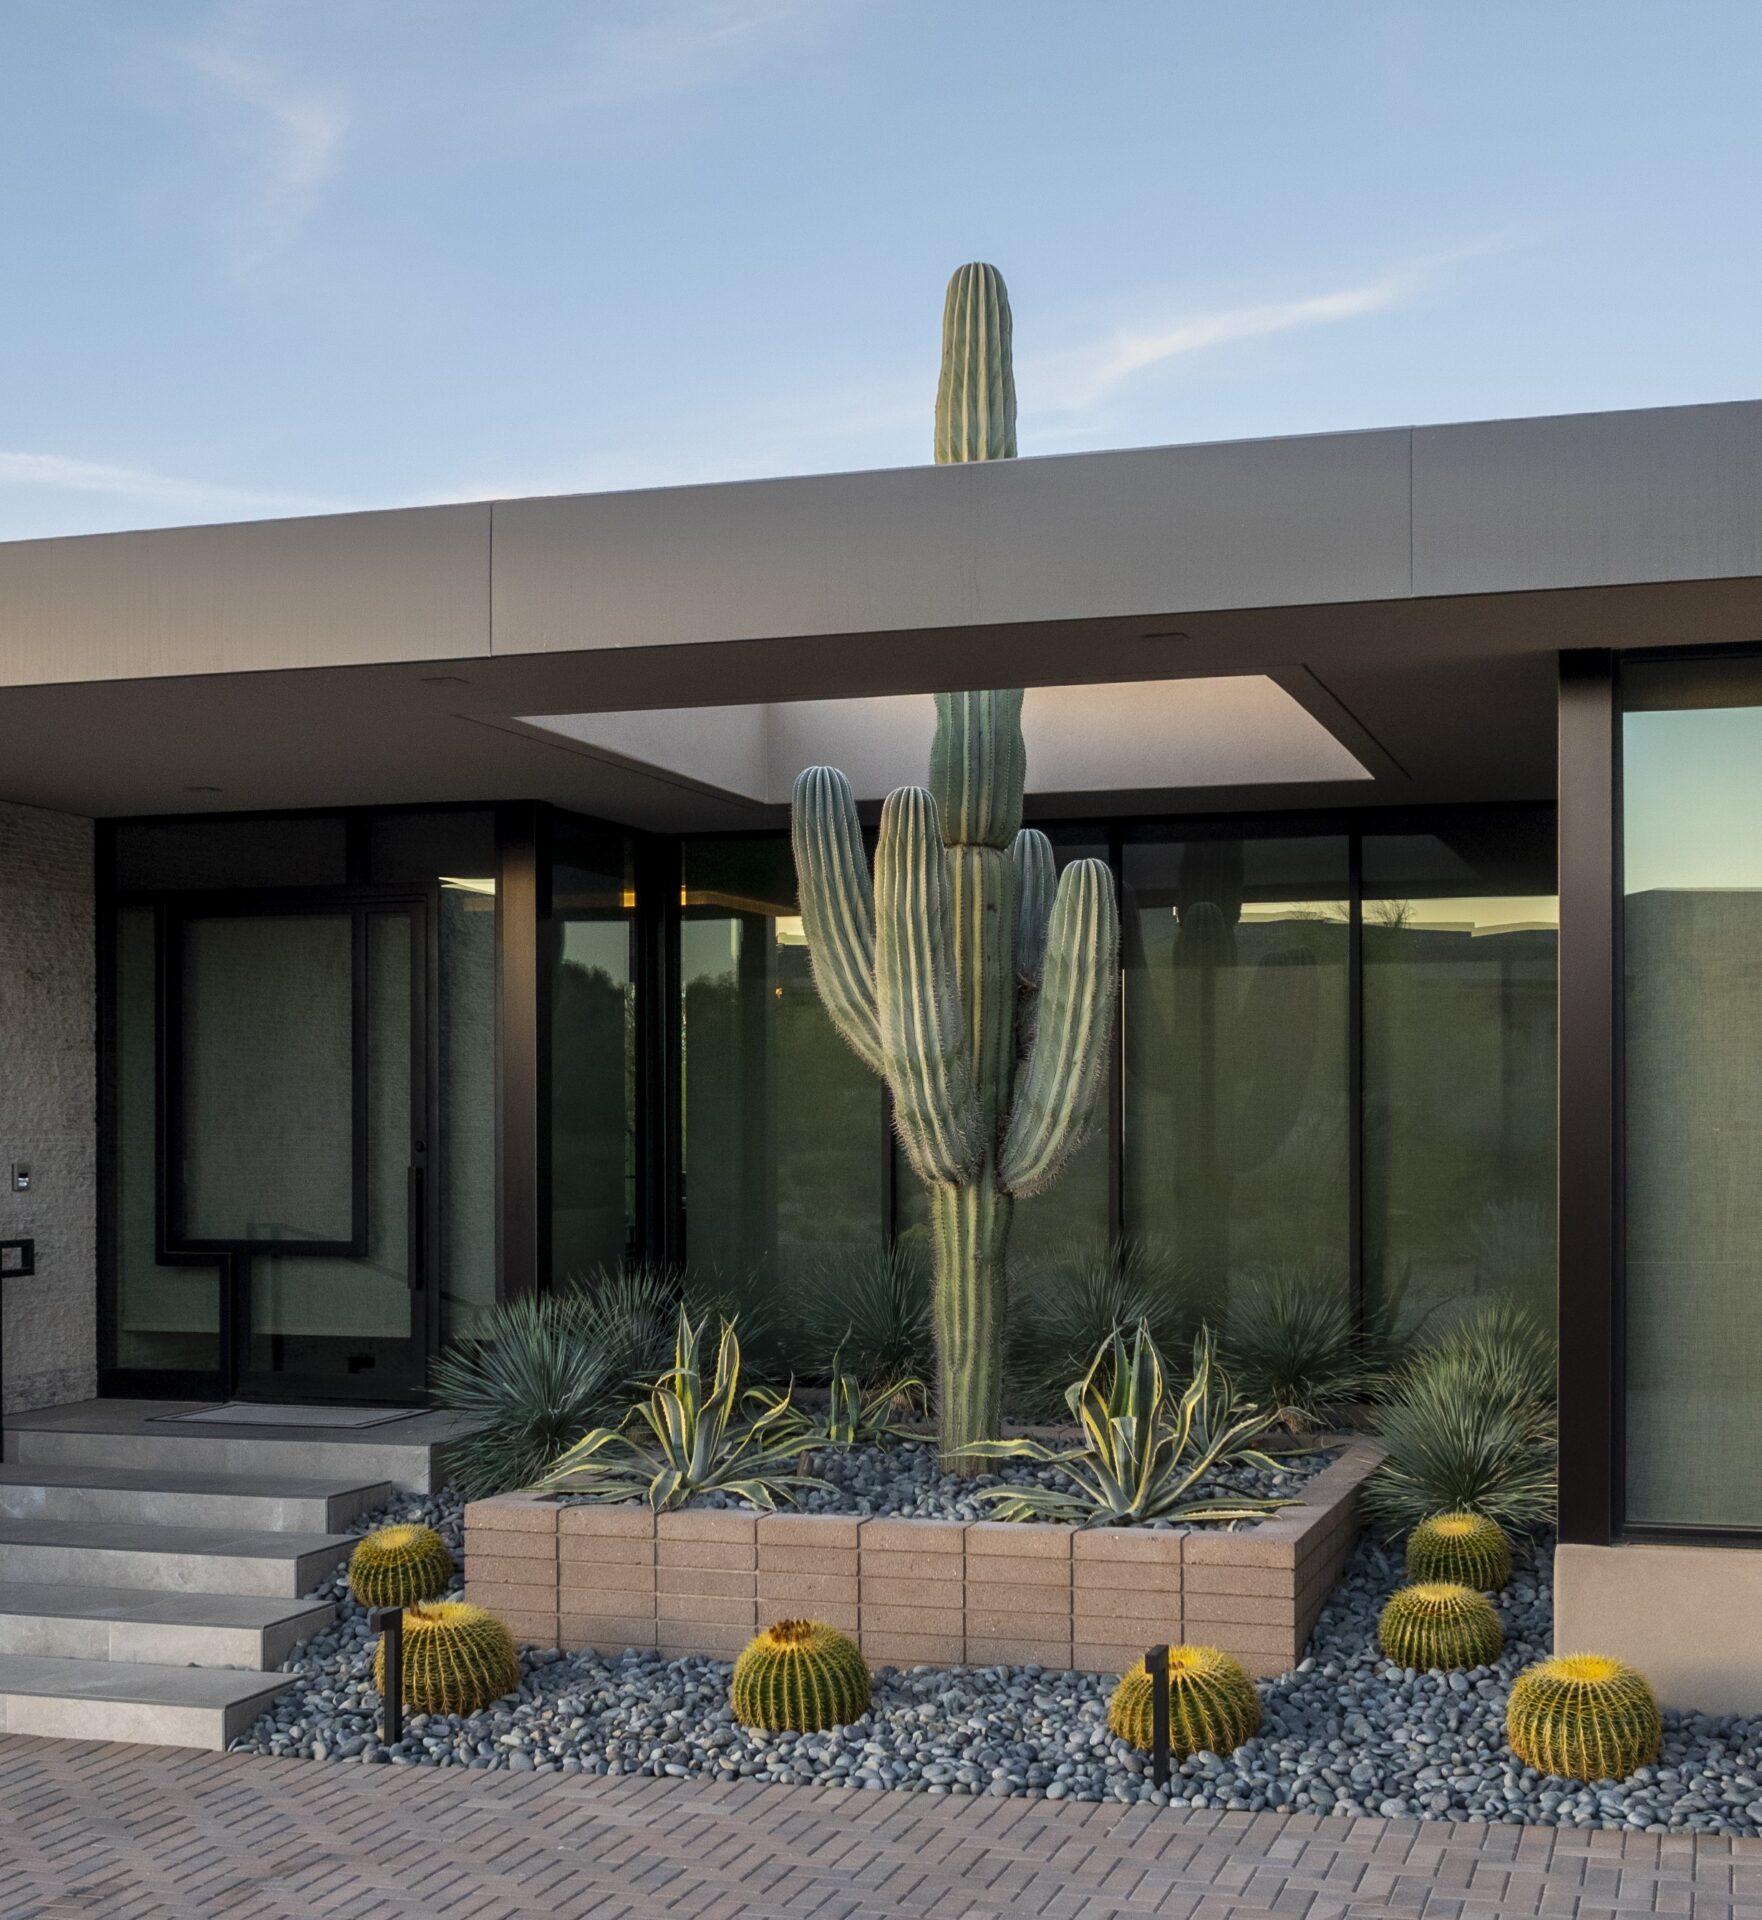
{"x": 782, "y": 1122}
{"x": 164, "y": 1317}
{"x": 1460, "y": 939}
{"x": 268, "y": 1077}
{"x": 593, "y": 1053}
{"x": 1235, "y": 1011}
{"x": 1692, "y": 798}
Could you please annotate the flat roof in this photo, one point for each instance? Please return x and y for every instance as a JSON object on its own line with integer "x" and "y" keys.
{"x": 1408, "y": 588}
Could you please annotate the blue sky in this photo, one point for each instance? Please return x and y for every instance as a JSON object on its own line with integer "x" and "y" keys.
{"x": 266, "y": 258}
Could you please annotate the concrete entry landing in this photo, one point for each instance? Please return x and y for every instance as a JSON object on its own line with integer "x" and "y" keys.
{"x": 153, "y": 1572}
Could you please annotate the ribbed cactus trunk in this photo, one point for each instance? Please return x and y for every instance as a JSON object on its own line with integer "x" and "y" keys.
{"x": 983, "y": 997}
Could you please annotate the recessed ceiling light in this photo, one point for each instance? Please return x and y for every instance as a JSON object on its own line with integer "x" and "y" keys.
{"x": 204, "y": 789}
{"x": 445, "y": 680}
{"x": 1165, "y": 636}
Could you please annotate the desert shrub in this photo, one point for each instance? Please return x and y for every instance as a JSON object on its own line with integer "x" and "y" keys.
{"x": 1468, "y": 1426}
{"x": 1067, "y": 1308}
{"x": 1290, "y": 1346}
{"x": 533, "y": 1376}
{"x": 867, "y": 1314}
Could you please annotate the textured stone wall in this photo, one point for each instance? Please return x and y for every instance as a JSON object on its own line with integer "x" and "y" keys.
{"x": 48, "y": 1104}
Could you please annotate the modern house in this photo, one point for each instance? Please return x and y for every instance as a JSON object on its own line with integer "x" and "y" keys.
{"x": 397, "y": 914}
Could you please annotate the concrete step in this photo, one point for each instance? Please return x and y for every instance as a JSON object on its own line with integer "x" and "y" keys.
{"x": 125, "y": 1700}
{"x": 116, "y": 1553}
{"x": 161, "y": 1495}
{"x": 408, "y": 1453}
{"x": 243, "y": 1630}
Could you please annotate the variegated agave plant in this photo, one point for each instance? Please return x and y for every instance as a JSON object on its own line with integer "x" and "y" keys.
{"x": 693, "y": 1442}
{"x": 1144, "y": 1450}
{"x": 856, "y": 1416}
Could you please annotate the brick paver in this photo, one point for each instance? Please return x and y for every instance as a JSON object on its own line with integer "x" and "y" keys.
{"x": 144, "y": 1833}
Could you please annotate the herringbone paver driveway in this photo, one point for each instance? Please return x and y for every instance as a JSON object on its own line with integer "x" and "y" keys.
{"x": 150, "y": 1832}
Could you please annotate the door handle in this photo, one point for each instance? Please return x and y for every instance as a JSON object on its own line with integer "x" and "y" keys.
{"x": 416, "y": 1230}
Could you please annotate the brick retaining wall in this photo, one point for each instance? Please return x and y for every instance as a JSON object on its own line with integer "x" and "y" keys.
{"x": 932, "y": 1592}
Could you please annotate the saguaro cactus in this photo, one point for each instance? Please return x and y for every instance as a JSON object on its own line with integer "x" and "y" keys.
{"x": 979, "y": 992}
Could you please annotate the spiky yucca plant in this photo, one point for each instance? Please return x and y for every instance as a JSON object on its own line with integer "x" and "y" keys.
{"x": 1466, "y": 1549}
{"x": 800, "y": 1677}
{"x": 979, "y": 993}
{"x": 397, "y": 1565}
{"x": 868, "y": 1313}
{"x": 457, "y": 1658}
{"x": 1583, "y": 1716}
{"x": 1290, "y": 1343}
{"x": 1213, "y": 1705}
{"x": 1469, "y": 1426}
{"x": 694, "y": 1441}
{"x": 1145, "y": 1452}
{"x": 1063, "y": 1310}
{"x": 1438, "y": 1627}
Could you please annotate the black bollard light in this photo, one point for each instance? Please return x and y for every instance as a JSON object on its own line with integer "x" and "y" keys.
{"x": 1156, "y": 1663}
{"x": 390, "y": 1622}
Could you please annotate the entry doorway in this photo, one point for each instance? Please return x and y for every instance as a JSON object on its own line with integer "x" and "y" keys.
{"x": 295, "y": 1130}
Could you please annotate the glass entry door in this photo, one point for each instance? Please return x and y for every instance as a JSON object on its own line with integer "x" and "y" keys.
{"x": 296, "y": 1132}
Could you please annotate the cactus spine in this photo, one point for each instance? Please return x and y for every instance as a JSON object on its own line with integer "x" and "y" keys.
{"x": 800, "y": 1677}
{"x": 398, "y": 1565}
{"x": 1584, "y": 1717}
{"x": 457, "y": 1658}
{"x": 981, "y": 994}
{"x": 1436, "y": 1627}
{"x": 1466, "y": 1548}
{"x": 1213, "y": 1706}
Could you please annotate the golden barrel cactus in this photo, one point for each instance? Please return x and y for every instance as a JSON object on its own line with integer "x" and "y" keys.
{"x": 1464, "y": 1549}
{"x": 1438, "y": 1626}
{"x": 399, "y": 1565}
{"x": 800, "y": 1677}
{"x": 457, "y": 1658}
{"x": 1213, "y": 1705}
{"x": 1583, "y": 1716}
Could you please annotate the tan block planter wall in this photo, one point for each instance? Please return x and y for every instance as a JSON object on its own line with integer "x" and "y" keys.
{"x": 930, "y": 1592}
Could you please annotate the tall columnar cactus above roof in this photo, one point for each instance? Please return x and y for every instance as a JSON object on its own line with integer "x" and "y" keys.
{"x": 982, "y": 993}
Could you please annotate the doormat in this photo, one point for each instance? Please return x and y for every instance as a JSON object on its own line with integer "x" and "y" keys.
{"x": 254, "y": 1413}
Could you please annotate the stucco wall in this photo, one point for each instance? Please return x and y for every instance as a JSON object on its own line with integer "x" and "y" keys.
{"x": 48, "y": 1103}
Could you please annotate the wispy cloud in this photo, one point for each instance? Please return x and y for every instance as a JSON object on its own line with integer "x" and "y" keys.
{"x": 288, "y": 137}
{"x": 64, "y": 473}
{"x": 1078, "y": 377}
{"x": 679, "y": 48}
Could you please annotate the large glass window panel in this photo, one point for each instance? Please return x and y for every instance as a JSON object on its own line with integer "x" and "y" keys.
{"x": 1460, "y": 939}
{"x": 1235, "y": 1142}
{"x": 782, "y": 1123}
{"x": 593, "y": 1052}
{"x": 328, "y": 1314}
{"x": 1692, "y": 857}
{"x": 164, "y": 1317}
{"x": 268, "y": 1084}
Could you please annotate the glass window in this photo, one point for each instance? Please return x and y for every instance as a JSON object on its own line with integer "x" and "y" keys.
{"x": 1692, "y": 858}
{"x": 164, "y": 1316}
{"x": 782, "y": 1123}
{"x": 1236, "y": 1142}
{"x": 593, "y": 1051}
{"x": 1460, "y": 939}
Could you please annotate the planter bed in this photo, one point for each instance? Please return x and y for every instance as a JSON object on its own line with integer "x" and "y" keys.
{"x": 915, "y": 1591}
{"x": 1344, "y": 1732}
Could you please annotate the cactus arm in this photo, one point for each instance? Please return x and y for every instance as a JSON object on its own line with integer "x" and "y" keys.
{"x": 1036, "y": 881}
{"x": 838, "y": 907}
{"x": 1056, "y": 1092}
{"x": 976, "y": 391}
{"x": 923, "y": 1032}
